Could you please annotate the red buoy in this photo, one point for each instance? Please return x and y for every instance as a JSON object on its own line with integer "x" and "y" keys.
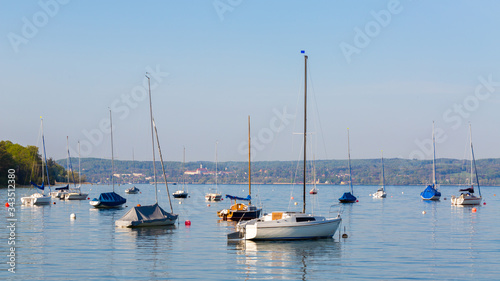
{"x": 187, "y": 223}
{"x": 7, "y": 205}
{"x": 474, "y": 210}
{"x": 138, "y": 205}
{"x": 357, "y": 200}
{"x": 88, "y": 198}
{"x": 484, "y": 203}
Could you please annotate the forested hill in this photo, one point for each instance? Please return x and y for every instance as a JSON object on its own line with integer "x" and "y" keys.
{"x": 364, "y": 172}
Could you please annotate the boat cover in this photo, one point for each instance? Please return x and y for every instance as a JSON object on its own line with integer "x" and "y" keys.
{"x": 142, "y": 214}
{"x": 63, "y": 188}
{"x": 347, "y": 197}
{"x": 430, "y": 192}
{"x": 470, "y": 189}
{"x": 248, "y": 198}
{"x": 40, "y": 187}
{"x": 111, "y": 199}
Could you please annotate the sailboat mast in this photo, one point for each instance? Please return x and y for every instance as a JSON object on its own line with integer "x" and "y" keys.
{"x": 112, "y": 155}
{"x": 349, "y": 160}
{"x": 163, "y": 168}
{"x": 79, "y": 167}
{"x": 305, "y": 130}
{"x": 67, "y": 158}
{"x": 434, "y": 156}
{"x": 45, "y": 159}
{"x": 152, "y": 136}
{"x": 249, "y": 165}
{"x": 471, "y": 156}
{"x": 383, "y": 173}
{"x": 183, "y": 163}
{"x": 216, "y": 187}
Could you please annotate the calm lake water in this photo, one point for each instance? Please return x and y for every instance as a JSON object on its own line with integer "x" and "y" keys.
{"x": 388, "y": 238}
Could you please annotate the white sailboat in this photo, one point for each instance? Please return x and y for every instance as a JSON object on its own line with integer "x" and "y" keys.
{"x": 289, "y": 225}
{"x": 76, "y": 193}
{"x": 38, "y": 198}
{"x": 182, "y": 193}
{"x": 150, "y": 215}
{"x": 467, "y": 197}
{"x": 381, "y": 191}
{"x": 214, "y": 196}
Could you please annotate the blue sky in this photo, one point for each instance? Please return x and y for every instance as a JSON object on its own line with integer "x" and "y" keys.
{"x": 384, "y": 69}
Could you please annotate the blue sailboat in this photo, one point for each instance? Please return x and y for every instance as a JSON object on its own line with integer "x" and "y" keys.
{"x": 431, "y": 192}
{"x": 348, "y": 197}
{"x": 109, "y": 199}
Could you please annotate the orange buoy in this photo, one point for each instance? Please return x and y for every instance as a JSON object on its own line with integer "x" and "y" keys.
{"x": 188, "y": 222}
{"x": 291, "y": 198}
{"x": 138, "y": 205}
{"x": 7, "y": 205}
{"x": 474, "y": 210}
{"x": 208, "y": 205}
{"x": 54, "y": 203}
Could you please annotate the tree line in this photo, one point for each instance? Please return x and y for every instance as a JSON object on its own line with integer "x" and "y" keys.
{"x": 27, "y": 162}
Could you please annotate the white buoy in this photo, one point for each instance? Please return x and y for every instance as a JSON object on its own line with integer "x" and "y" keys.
{"x": 72, "y": 216}
{"x": 423, "y": 212}
{"x": 180, "y": 202}
{"x": 295, "y": 203}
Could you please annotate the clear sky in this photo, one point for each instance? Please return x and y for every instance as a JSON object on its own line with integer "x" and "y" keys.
{"x": 385, "y": 69}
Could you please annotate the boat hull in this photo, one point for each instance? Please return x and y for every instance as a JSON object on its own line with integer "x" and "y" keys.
{"x": 76, "y": 196}
{"x": 36, "y": 199}
{"x": 467, "y": 199}
{"x": 286, "y": 229}
{"x": 147, "y": 223}
{"x": 180, "y": 195}
{"x": 213, "y": 197}
{"x": 379, "y": 194}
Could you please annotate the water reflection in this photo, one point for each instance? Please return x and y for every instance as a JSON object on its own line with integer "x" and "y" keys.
{"x": 286, "y": 259}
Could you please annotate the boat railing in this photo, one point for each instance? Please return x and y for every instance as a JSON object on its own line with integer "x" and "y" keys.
{"x": 340, "y": 209}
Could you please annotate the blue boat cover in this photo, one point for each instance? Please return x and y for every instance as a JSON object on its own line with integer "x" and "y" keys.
{"x": 111, "y": 199}
{"x": 347, "y": 197}
{"x": 248, "y": 198}
{"x": 40, "y": 187}
{"x": 430, "y": 192}
{"x": 63, "y": 188}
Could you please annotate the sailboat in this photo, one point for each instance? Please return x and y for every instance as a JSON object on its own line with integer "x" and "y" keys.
{"x": 133, "y": 189}
{"x": 38, "y": 198}
{"x": 60, "y": 192}
{"x": 381, "y": 191}
{"x": 109, "y": 199}
{"x": 77, "y": 194}
{"x": 240, "y": 211}
{"x": 150, "y": 215}
{"x": 467, "y": 196}
{"x": 431, "y": 192}
{"x": 314, "y": 190}
{"x": 182, "y": 193}
{"x": 348, "y": 197}
{"x": 289, "y": 225}
{"x": 214, "y": 196}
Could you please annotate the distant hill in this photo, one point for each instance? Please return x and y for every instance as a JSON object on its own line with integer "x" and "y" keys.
{"x": 364, "y": 172}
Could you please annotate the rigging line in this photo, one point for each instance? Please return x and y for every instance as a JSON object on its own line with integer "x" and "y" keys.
{"x": 317, "y": 111}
